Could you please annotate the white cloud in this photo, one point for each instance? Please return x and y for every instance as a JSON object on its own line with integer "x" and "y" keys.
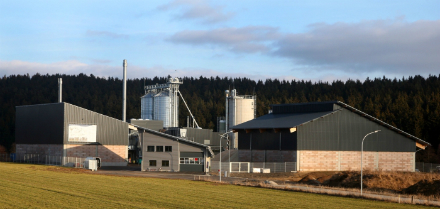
{"x": 198, "y": 10}
{"x": 380, "y": 46}
{"x": 249, "y": 39}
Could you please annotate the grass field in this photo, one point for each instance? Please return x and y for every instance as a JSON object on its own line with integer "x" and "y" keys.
{"x": 35, "y": 186}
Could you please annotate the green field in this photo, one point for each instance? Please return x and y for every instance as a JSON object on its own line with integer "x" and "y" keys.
{"x": 35, "y": 186}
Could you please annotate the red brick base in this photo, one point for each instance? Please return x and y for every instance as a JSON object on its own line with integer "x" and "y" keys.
{"x": 351, "y": 160}
{"x": 111, "y": 155}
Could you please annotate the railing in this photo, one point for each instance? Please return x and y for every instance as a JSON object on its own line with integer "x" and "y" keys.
{"x": 76, "y": 162}
{"x": 427, "y": 167}
{"x": 249, "y": 166}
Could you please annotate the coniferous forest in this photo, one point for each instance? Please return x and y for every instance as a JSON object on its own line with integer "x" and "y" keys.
{"x": 411, "y": 104}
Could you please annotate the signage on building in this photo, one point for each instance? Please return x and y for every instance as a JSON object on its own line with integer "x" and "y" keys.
{"x": 82, "y": 133}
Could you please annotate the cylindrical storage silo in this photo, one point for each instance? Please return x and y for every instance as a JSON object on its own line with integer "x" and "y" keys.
{"x": 147, "y": 106}
{"x": 222, "y": 126}
{"x": 162, "y": 107}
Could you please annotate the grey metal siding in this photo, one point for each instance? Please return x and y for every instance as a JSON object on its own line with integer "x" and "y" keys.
{"x": 344, "y": 131}
{"x": 110, "y": 131}
{"x": 155, "y": 125}
{"x": 39, "y": 124}
{"x": 149, "y": 139}
{"x": 191, "y": 168}
{"x": 179, "y": 147}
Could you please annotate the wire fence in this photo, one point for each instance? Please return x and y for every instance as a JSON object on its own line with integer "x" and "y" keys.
{"x": 248, "y": 167}
{"x": 75, "y": 162}
{"x": 427, "y": 167}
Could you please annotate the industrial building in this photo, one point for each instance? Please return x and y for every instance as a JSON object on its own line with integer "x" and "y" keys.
{"x": 239, "y": 109}
{"x": 164, "y": 152}
{"x": 63, "y": 129}
{"x": 326, "y": 136}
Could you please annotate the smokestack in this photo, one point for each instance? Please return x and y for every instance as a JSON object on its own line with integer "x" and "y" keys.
{"x": 60, "y": 90}
{"x": 124, "y": 90}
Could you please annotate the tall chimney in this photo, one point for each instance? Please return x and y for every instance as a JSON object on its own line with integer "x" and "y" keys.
{"x": 124, "y": 90}
{"x": 60, "y": 90}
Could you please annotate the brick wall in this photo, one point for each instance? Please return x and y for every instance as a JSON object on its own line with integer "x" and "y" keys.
{"x": 111, "y": 155}
{"x": 350, "y": 160}
{"x": 266, "y": 156}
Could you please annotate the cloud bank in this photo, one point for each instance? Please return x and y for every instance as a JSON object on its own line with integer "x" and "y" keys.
{"x": 387, "y": 46}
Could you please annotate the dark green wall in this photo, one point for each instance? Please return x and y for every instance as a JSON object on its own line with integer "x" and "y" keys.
{"x": 344, "y": 131}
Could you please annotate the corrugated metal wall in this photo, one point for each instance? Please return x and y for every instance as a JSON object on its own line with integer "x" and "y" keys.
{"x": 267, "y": 140}
{"x": 39, "y": 124}
{"x": 110, "y": 131}
{"x": 155, "y": 125}
{"x": 344, "y": 130}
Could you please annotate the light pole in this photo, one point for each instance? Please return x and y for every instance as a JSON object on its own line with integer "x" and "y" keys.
{"x": 362, "y": 153}
{"x": 220, "y": 162}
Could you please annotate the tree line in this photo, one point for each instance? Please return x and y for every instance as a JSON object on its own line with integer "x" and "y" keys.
{"x": 411, "y": 104}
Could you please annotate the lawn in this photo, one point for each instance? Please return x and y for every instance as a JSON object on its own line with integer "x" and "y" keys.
{"x": 37, "y": 186}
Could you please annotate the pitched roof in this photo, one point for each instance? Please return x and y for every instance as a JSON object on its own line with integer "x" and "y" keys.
{"x": 271, "y": 121}
{"x": 176, "y": 138}
{"x": 301, "y": 113}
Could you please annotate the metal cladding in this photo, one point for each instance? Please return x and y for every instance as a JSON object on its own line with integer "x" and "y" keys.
{"x": 49, "y": 124}
{"x": 325, "y": 126}
{"x": 161, "y": 102}
{"x": 124, "y": 90}
{"x": 60, "y": 90}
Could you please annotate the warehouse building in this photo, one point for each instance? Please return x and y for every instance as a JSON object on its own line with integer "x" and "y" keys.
{"x": 164, "y": 152}
{"x": 66, "y": 130}
{"x": 326, "y": 136}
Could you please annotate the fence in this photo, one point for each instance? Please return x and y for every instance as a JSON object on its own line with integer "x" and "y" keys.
{"x": 243, "y": 166}
{"x": 428, "y": 167}
{"x": 75, "y": 162}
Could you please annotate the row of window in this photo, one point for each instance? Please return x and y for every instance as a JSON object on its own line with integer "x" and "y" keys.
{"x": 191, "y": 160}
{"x": 183, "y": 160}
{"x": 159, "y": 148}
{"x": 165, "y": 163}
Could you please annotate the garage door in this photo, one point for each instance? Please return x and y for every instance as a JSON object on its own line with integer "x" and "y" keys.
{"x": 191, "y": 161}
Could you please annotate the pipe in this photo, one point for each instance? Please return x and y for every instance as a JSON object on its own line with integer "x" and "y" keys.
{"x": 60, "y": 90}
{"x": 124, "y": 90}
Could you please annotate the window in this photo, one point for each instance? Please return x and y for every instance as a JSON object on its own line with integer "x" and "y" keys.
{"x": 153, "y": 163}
{"x": 159, "y": 148}
{"x": 168, "y": 148}
{"x": 150, "y": 149}
{"x": 191, "y": 160}
{"x": 165, "y": 163}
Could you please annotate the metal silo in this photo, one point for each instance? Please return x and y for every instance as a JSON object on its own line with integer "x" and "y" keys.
{"x": 240, "y": 109}
{"x": 147, "y": 105}
{"x": 162, "y": 107}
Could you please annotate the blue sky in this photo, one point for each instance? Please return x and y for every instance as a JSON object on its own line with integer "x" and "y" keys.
{"x": 310, "y": 40}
